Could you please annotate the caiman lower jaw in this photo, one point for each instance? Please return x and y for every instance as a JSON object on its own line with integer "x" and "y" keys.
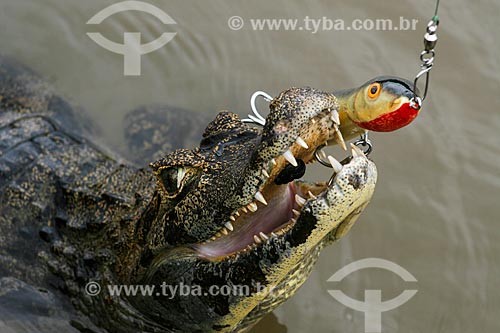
{"x": 252, "y": 226}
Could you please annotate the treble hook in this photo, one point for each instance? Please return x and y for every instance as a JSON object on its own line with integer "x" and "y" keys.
{"x": 320, "y": 155}
{"x": 257, "y": 117}
{"x": 363, "y": 141}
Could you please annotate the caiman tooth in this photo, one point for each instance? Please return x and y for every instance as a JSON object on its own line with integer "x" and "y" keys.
{"x": 295, "y": 212}
{"x": 273, "y": 234}
{"x": 273, "y": 161}
{"x": 299, "y": 200}
{"x": 244, "y": 209}
{"x": 335, "y": 164}
{"x": 313, "y": 121}
{"x": 290, "y": 158}
{"x": 257, "y": 239}
{"x": 356, "y": 152}
{"x": 232, "y": 218}
{"x": 311, "y": 195}
{"x": 229, "y": 226}
{"x": 301, "y": 142}
{"x": 263, "y": 236}
{"x": 252, "y": 207}
{"x": 335, "y": 117}
{"x": 265, "y": 173}
{"x": 339, "y": 138}
{"x": 224, "y": 231}
{"x": 237, "y": 213}
{"x": 260, "y": 197}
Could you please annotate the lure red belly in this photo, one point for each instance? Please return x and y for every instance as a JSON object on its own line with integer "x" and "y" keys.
{"x": 391, "y": 121}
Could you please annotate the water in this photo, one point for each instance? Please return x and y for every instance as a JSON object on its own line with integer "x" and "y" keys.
{"x": 435, "y": 211}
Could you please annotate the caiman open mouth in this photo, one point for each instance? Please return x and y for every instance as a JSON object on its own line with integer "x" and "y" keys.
{"x": 279, "y": 201}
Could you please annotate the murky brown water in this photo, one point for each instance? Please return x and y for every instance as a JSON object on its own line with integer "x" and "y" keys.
{"x": 436, "y": 208}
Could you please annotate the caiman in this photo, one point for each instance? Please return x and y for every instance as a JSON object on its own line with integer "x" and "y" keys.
{"x": 233, "y": 213}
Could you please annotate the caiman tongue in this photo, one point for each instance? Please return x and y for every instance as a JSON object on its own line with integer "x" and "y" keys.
{"x": 265, "y": 220}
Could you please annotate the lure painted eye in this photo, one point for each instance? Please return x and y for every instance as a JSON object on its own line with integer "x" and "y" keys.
{"x": 374, "y": 90}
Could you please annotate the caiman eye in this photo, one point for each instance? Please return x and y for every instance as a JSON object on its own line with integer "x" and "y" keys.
{"x": 374, "y": 90}
{"x": 173, "y": 179}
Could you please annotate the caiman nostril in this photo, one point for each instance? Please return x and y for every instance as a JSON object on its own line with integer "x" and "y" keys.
{"x": 290, "y": 173}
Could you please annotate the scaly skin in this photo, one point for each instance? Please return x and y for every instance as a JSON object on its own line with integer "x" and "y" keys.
{"x": 70, "y": 214}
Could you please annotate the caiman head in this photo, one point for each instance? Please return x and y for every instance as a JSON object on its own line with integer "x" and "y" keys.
{"x": 235, "y": 230}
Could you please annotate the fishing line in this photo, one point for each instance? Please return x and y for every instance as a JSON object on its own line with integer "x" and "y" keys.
{"x": 427, "y": 59}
